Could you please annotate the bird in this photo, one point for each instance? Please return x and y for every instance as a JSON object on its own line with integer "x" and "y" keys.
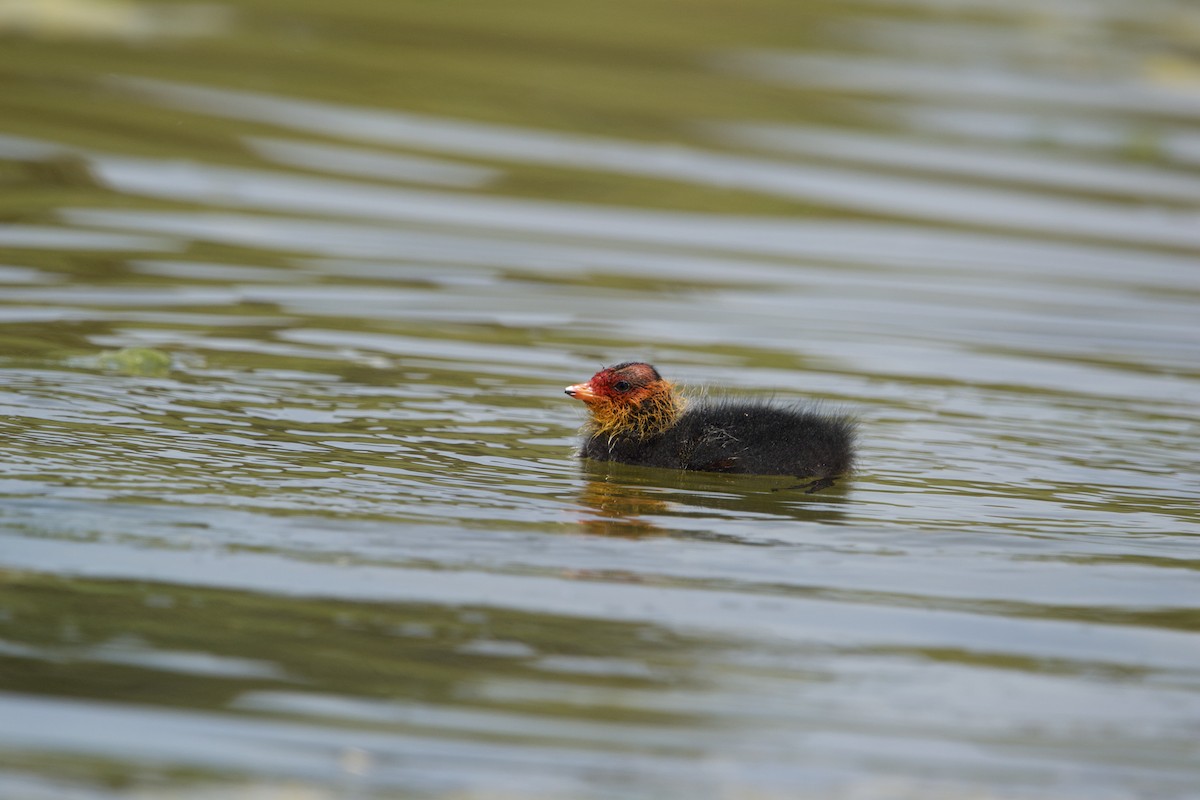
{"x": 638, "y": 417}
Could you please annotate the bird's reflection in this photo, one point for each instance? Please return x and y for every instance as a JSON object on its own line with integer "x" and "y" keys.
{"x": 640, "y": 501}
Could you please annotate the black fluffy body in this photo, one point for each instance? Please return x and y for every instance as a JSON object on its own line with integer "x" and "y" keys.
{"x": 738, "y": 436}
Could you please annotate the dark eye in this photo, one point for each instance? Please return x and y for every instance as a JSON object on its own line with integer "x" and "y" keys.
{"x": 622, "y": 386}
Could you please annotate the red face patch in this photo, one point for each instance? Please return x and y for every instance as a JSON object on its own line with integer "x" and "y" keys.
{"x": 623, "y": 380}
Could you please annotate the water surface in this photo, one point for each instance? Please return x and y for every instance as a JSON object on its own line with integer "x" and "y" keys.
{"x": 288, "y": 499}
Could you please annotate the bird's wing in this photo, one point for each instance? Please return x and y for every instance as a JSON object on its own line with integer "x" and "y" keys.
{"x": 716, "y": 449}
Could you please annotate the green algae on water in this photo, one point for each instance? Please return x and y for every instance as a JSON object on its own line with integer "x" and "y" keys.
{"x": 143, "y": 361}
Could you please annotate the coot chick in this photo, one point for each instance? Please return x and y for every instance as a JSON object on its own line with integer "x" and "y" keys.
{"x": 638, "y": 418}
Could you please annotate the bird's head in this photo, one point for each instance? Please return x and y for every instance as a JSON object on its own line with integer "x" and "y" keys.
{"x": 629, "y": 399}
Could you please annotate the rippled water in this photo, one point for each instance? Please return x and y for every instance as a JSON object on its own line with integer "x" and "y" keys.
{"x": 288, "y": 296}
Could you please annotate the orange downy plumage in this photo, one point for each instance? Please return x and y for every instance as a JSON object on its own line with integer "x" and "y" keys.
{"x": 646, "y": 412}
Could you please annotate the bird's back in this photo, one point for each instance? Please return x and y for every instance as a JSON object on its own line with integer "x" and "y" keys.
{"x": 760, "y": 439}
{"x": 741, "y": 437}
